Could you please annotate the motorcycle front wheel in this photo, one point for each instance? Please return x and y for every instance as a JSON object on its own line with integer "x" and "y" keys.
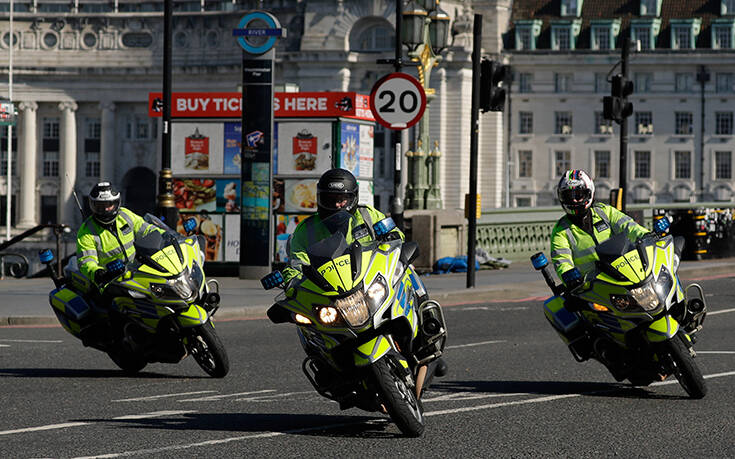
{"x": 685, "y": 369}
{"x": 207, "y": 349}
{"x": 399, "y": 399}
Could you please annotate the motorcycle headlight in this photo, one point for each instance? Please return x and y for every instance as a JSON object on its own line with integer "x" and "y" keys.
{"x": 181, "y": 286}
{"x": 646, "y": 297}
{"x": 377, "y": 292}
{"x": 354, "y": 309}
{"x": 664, "y": 284}
{"x": 328, "y": 315}
{"x": 623, "y": 302}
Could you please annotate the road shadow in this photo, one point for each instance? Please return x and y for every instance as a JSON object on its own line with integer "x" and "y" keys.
{"x": 593, "y": 389}
{"x": 82, "y": 373}
{"x": 268, "y": 424}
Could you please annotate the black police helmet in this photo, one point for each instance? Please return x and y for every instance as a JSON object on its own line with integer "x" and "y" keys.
{"x": 336, "y": 190}
{"x": 104, "y": 202}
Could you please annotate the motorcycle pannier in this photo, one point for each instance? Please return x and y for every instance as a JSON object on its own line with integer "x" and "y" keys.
{"x": 560, "y": 318}
{"x": 70, "y": 308}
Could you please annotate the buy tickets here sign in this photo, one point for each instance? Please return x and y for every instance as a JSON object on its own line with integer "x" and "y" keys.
{"x": 285, "y": 104}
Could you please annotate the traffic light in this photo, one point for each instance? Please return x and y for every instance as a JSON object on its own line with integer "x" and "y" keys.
{"x": 492, "y": 77}
{"x": 616, "y": 106}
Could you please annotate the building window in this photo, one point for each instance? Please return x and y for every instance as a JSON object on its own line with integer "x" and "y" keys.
{"x": 723, "y": 165}
{"x": 4, "y": 210}
{"x": 684, "y": 123}
{"x": 642, "y": 35}
{"x": 601, "y": 83}
{"x": 525, "y": 163}
{"x": 642, "y": 165}
{"x": 643, "y": 82}
{"x": 727, "y": 7}
{"x": 724, "y": 82}
{"x": 562, "y": 162}
{"x": 525, "y": 82}
{"x": 570, "y": 7}
{"x": 94, "y": 128}
{"x": 50, "y": 128}
{"x": 526, "y": 32}
{"x": 562, "y": 82}
{"x": 681, "y": 37}
{"x": 523, "y": 202}
{"x": 650, "y": 7}
{"x": 682, "y": 165}
{"x": 601, "y": 38}
{"x": 683, "y": 82}
{"x": 526, "y": 123}
{"x": 50, "y": 163}
{"x": 139, "y": 128}
{"x": 602, "y": 126}
{"x": 564, "y": 34}
{"x": 525, "y": 37}
{"x": 602, "y": 164}
{"x": 377, "y": 38}
{"x": 92, "y": 164}
{"x": 562, "y": 39}
{"x": 722, "y": 36}
{"x": 563, "y": 123}
{"x": 723, "y": 123}
{"x": 644, "y": 123}
{"x": 48, "y": 209}
{"x": 4, "y": 155}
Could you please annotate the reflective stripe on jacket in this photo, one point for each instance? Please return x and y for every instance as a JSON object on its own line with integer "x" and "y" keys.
{"x": 97, "y": 246}
{"x": 572, "y": 246}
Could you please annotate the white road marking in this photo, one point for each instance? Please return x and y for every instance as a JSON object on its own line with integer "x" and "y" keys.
{"x": 722, "y": 311}
{"x": 487, "y": 308}
{"x": 457, "y": 346}
{"x": 4, "y": 345}
{"x": 715, "y": 352}
{"x": 31, "y": 341}
{"x": 156, "y": 397}
{"x": 675, "y": 381}
{"x": 272, "y": 397}
{"x": 48, "y": 427}
{"x": 462, "y": 396}
{"x": 220, "y": 397}
{"x": 153, "y": 414}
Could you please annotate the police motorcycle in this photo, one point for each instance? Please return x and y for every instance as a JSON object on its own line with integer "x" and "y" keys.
{"x": 631, "y": 314}
{"x": 371, "y": 335}
{"x": 158, "y": 308}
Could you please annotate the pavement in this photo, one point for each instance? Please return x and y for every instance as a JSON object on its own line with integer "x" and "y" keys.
{"x": 25, "y": 301}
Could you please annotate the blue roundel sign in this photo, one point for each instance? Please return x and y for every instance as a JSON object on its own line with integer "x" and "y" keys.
{"x": 257, "y": 32}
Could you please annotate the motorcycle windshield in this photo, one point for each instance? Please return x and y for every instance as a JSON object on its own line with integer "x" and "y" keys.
{"x": 621, "y": 259}
{"x": 161, "y": 252}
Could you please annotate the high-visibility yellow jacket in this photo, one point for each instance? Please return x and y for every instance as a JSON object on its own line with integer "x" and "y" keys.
{"x": 572, "y": 246}
{"x": 312, "y": 230}
{"x": 97, "y": 246}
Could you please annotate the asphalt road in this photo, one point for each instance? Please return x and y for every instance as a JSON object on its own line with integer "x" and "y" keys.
{"x": 513, "y": 391}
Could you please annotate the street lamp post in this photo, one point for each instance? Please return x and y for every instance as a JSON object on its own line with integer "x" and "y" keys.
{"x": 425, "y": 31}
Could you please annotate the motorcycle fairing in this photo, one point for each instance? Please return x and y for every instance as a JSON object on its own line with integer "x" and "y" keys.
{"x": 662, "y": 329}
{"x": 168, "y": 260}
{"x": 194, "y": 316}
{"x": 373, "y": 350}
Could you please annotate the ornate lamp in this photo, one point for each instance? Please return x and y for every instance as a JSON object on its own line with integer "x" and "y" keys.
{"x": 412, "y": 30}
{"x": 438, "y": 30}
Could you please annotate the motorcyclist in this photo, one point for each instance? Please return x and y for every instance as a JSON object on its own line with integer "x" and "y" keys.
{"x": 108, "y": 234}
{"x": 337, "y": 190}
{"x": 585, "y": 225}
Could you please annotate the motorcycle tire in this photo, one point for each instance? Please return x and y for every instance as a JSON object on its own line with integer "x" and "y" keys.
{"x": 399, "y": 399}
{"x": 128, "y": 361}
{"x": 685, "y": 369}
{"x": 208, "y": 351}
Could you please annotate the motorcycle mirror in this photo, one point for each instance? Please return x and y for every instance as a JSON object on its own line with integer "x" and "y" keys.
{"x": 384, "y": 226}
{"x": 539, "y": 261}
{"x": 190, "y": 225}
{"x": 272, "y": 280}
{"x": 115, "y": 267}
{"x": 46, "y": 256}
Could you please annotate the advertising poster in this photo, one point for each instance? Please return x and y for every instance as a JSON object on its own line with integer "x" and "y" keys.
{"x": 232, "y": 238}
{"x": 278, "y": 193}
{"x": 286, "y": 224}
{"x": 197, "y": 148}
{"x": 228, "y": 195}
{"x": 233, "y": 137}
{"x": 210, "y": 227}
{"x": 255, "y": 201}
{"x": 275, "y": 148}
{"x": 349, "y": 152}
{"x": 300, "y": 195}
{"x": 195, "y": 195}
{"x": 304, "y": 147}
{"x": 367, "y": 197}
{"x": 366, "y": 151}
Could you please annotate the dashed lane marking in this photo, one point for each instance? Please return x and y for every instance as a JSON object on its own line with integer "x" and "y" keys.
{"x": 156, "y": 397}
{"x": 481, "y": 343}
{"x": 52, "y": 341}
{"x": 220, "y": 397}
{"x": 722, "y": 311}
{"x": 715, "y": 352}
{"x": 64, "y": 425}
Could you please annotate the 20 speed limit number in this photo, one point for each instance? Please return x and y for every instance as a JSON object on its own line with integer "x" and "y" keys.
{"x": 398, "y": 101}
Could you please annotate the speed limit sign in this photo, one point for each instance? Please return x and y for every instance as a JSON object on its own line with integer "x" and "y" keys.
{"x": 398, "y": 101}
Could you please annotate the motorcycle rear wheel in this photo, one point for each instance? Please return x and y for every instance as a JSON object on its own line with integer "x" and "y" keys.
{"x": 209, "y": 352}
{"x": 128, "y": 361}
{"x": 399, "y": 399}
{"x": 685, "y": 369}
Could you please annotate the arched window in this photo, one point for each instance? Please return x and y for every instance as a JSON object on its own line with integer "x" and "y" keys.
{"x": 372, "y": 36}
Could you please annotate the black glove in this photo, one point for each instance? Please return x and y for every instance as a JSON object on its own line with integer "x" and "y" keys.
{"x": 103, "y": 276}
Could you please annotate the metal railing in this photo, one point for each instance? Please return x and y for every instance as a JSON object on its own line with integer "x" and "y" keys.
{"x": 20, "y": 268}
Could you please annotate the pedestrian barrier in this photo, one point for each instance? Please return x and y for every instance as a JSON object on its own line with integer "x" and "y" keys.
{"x": 19, "y": 268}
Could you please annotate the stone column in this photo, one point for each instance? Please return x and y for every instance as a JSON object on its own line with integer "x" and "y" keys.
{"x": 107, "y": 142}
{"x": 68, "y": 213}
{"x": 27, "y": 165}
